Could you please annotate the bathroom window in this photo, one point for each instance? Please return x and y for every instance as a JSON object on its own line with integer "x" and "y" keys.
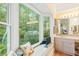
{"x": 3, "y": 12}
{"x": 46, "y": 26}
{"x": 3, "y": 40}
{"x": 3, "y": 29}
{"x": 64, "y": 26}
{"x": 28, "y": 25}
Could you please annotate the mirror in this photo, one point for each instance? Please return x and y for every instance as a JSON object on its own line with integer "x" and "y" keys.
{"x": 64, "y": 26}
{"x": 68, "y": 26}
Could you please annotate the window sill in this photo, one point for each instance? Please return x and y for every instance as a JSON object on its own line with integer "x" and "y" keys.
{"x": 35, "y": 45}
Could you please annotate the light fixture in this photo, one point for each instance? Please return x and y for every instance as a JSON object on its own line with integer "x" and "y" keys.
{"x": 68, "y": 13}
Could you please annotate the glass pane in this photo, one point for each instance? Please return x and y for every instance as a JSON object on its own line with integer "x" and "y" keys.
{"x": 3, "y": 40}
{"x": 3, "y": 33}
{"x": 3, "y": 12}
{"x": 46, "y": 27}
{"x": 29, "y": 25}
{"x": 64, "y": 23}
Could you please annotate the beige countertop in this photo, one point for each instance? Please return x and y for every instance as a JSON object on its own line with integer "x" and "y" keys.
{"x": 75, "y": 37}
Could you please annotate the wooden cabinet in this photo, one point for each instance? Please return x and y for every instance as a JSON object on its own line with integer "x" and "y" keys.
{"x": 77, "y": 48}
{"x": 65, "y": 45}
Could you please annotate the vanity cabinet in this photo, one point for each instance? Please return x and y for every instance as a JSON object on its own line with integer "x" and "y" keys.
{"x": 69, "y": 46}
{"x": 58, "y": 44}
{"x": 65, "y": 45}
{"x": 77, "y": 48}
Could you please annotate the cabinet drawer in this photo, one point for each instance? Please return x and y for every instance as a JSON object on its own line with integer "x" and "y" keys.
{"x": 69, "y": 43}
{"x": 69, "y": 50}
{"x": 69, "y": 46}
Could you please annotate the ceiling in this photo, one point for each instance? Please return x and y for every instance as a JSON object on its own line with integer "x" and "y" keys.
{"x": 65, "y": 6}
{"x": 43, "y": 7}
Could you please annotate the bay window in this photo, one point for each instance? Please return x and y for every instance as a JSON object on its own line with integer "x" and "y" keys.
{"x": 3, "y": 29}
{"x": 46, "y": 26}
{"x": 28, "y": 25}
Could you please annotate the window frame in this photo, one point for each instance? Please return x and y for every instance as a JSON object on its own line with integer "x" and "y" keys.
{"x": 41, "y": 23}
{"x": 14, "y": 15}
{"x": 7, "y": 25}
{"x": 29, "y": 17}
{"x": 45, "y": 21}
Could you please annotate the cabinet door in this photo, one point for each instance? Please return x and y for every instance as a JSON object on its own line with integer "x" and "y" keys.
{"x": 68, "y": 46}
{"x": 59, "y": 44}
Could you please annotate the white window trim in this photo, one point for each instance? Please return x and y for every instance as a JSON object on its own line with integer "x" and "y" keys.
{"x": 41, "y": 28}
{"x": 8, "y": 29}
{"x": 7, "y": 24}
{"x": 14, "y": 29}
{"x": 51, "y": 29}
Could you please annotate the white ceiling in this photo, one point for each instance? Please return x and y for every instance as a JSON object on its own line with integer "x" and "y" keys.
{"x": 43, "y": 8}
{"x": 65, "y": 6}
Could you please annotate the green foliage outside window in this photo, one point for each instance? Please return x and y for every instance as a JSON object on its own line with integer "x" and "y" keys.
{"x": 3, "y": 12}
{"x": 3, "y": 40}
{"x": 28, "y": 25}
{"x": 46, "y": 26}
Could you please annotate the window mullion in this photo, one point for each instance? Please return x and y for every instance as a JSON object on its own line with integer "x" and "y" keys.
{"x": 8, "y": 28}
{"x": 41, "y": 30}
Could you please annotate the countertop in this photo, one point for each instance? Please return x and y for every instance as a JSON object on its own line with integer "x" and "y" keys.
{"x": 75, "y": 37}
